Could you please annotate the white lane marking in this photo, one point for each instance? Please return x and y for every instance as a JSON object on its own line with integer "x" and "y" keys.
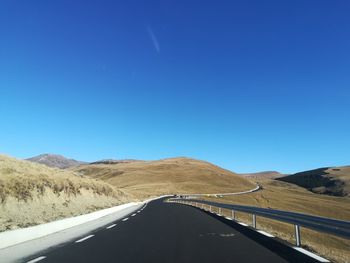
{"x": 265, "y": 233}
{"x": 243, "y": 224}
{"x": 138, "y": 211}
{"x": 36, "y": 259}
{"x": 84, "y": 238}
{"x": 228, "y": 218}
{"x": 109, "y": 227}
{"x": 125, "y": 219}
{"x": 321, "y": 259}
{"x": 133, "y": 215}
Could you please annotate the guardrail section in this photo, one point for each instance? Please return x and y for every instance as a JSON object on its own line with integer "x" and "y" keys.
{"x": 321, "y": 224}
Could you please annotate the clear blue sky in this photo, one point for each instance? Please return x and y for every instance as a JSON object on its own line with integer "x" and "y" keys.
{"x": 248, "y": 85}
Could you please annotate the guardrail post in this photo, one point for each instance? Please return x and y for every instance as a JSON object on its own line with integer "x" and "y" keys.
{"x": 210, "y": 208}
{"x": 233, "y": 215}
{"x": 297, "y": 236}
{"x": 254, "y": 221}
{"x": 219, "y": 210}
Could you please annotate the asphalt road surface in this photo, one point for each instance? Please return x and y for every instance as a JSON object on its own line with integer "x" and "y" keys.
{"x": 329, "y": 225}
{"x": 168, "y": 232}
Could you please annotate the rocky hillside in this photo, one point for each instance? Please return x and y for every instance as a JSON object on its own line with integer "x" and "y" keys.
{"x": 55, "y": 160}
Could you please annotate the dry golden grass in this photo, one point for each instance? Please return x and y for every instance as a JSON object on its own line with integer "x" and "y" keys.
{"x": 168, "y": 176}
{"x": 342, "y": 174}
{"x": 52, "y": 192}
{"x": 285, "y": 196}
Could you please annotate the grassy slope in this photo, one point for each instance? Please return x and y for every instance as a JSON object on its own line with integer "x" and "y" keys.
{"x": 32, "y": 193}
{"x": 168, "y": 176}
{"x": 331, "y": 181}
{"x": 263, "y": 175}
{"x": 286, "y": 196}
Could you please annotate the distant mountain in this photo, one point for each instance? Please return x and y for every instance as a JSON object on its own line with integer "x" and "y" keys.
{"x": 55, "y": 160}
{"x": 329, "y": 180}
{"x": 112, "y": 161}
{"x": 264, "y": 175}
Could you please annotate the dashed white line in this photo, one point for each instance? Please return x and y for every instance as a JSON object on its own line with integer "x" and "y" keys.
{"x": 265, "y": 233}
{"x": 243, "y": 224}
{"x": 125, "y": 219}
{"x": 133, "y": 215}
{"x": 36, "y": 259}
{"x": 321, "y": 259}
{"x": 228, "y": 218}
{"x": 109, "y": 227}
{"x": 84, "y": 238}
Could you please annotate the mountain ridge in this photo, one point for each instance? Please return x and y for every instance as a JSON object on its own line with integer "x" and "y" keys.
{"x": 55, "y": 160}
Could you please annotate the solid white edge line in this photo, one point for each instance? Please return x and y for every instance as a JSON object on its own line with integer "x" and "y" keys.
{"x": 84, "y": 238}
{"x": 265, "y": 233}
{"x": 36, "y": 259}
{"x": 310, "y": 254}
{"x": 109, "y": 227}
{"x": 125, "y": 219}
{"x": 14, "y": 237}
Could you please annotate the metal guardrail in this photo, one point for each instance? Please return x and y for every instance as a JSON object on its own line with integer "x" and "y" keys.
{"x": 257, "y": 188}
{"x": 321, "y": 224}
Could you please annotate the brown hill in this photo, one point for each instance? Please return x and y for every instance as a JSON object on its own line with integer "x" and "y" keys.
{"x": 330, "y": 180}
{"x": 263, "y": 175}
{"x": 168, "y": 176}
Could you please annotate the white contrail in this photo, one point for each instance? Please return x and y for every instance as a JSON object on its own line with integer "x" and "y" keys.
{"x": 154, "y": 39}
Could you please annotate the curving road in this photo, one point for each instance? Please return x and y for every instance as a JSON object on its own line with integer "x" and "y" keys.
{"x": 257, "y": 188}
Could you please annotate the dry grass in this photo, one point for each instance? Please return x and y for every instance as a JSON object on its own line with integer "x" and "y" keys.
{"x": 285, "y": 196}
{"x": 331, "y": 181}
{"x": 168, "y": 176}
{"x": 48, "y": 193}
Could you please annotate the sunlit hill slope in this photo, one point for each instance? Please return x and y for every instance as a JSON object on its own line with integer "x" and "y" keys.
{"x": 32, "y": 193}
{"x": 168, "y": 176}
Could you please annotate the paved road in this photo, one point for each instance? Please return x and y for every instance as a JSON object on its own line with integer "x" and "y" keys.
{"x": 328, "y": 225}
{"x": 165, "y": 232}
{"x": 257, "y": 188}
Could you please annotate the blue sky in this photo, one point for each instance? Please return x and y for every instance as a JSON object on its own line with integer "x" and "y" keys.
{"x": 248, "y": 85}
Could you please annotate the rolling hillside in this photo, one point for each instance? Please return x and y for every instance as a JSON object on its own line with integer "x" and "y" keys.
{"x": 168, "y": 176}
{"x": 331, "y": 181}
{"x": 32, "y": 193}
{"x": 263, "y": 175}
